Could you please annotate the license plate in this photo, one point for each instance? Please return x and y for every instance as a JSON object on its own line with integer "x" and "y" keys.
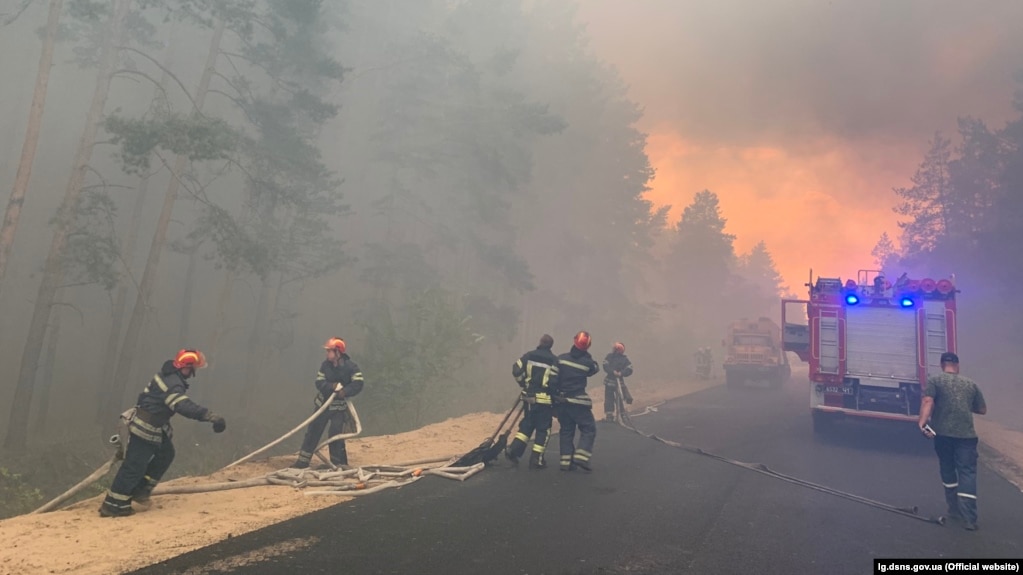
{"x": 836, "y": 389}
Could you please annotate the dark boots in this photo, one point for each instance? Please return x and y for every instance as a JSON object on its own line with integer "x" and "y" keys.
{"x": 536, "y": 461}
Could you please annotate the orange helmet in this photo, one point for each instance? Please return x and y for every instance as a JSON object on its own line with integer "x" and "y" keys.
{"x": 189, "y": 358}
{"x": 335, "y": 343}
{"x": 582, "y": 340}
{"x": 619, "y": 347}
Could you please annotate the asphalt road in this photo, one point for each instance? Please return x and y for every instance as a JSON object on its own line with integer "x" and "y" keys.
{"x": 650, "y": 508}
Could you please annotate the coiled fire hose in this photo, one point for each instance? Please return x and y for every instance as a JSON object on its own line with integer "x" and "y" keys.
{"x": 911, "y": 512}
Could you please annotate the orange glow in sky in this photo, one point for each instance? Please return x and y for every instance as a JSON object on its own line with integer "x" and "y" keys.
{"x": 824, "y": 211}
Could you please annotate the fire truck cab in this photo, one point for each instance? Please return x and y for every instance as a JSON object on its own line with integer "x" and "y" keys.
{"x": 870, "y": 343}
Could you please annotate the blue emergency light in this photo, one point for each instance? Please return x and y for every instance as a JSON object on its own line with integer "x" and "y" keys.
{"x": 906, "y": 302}
{"x": 852, "y": 299}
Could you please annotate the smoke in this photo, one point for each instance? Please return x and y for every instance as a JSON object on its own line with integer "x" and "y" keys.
{"x": 803, "y": 114}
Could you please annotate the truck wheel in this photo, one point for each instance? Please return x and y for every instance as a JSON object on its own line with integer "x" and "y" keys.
{"x": 822, "y": 423}
{"x": 731, "y": 379}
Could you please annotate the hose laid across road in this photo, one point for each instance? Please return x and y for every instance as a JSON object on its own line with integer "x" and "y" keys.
{"x": 910, "y": 512}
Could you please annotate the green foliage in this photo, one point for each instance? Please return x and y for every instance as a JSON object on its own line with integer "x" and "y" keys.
{"x": 92, "y": 253}
{"x": 414, "y": 351}
{"x": 925, "y": 202}
{"x": 17, "y": 496}
{"x": 198, "y": 138}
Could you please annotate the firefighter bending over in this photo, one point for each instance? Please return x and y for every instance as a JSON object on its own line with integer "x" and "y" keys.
{"x": 574, "y": 407}
{"x": 616, "y": 368}
{"x": 340, "y": 376}
{"x": 150, "y": 452}
{"x": 534, "y": 372}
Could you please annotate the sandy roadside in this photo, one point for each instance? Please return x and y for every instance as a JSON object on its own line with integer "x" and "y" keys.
{"x": 76, "y": 540}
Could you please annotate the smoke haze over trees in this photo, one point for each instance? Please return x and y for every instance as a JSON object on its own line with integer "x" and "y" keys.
{"x": 438, "y": 183}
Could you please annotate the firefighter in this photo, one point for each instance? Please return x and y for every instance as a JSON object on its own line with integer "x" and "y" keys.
{"x": 616, "y": 368}
{"x": 338, "y": 375}
{"x": 534, "y": 372}
{"x": 575, "y": 409}
{"x": 150, "y": 452}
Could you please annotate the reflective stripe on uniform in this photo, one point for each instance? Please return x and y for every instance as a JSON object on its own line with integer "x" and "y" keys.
{"x": 967, "y": 495}
{"x": 581, "y": 455}
{"x": 160, "y": 383}
{"x": 579, "y": 366}
{"x": 951, "y": 485}
{"x": 579, "y": 400}
{"x": 522, "y": 437}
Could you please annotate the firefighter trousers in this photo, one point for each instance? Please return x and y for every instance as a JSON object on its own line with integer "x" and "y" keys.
{"x": 144, "y": 465}
{"x": 957, "y": 460}
{"x": 338, "y": 450}
{"x": 537, "y": 419}
{"x": 570, "y": 417}
{"x": 611, "y": 397}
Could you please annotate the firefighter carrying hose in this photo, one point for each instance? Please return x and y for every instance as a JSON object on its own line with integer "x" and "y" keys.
{"x": 150, "y": 452}
{"x": 338, "y": 373}
{"x": 616, "y": 368}
{"x": 574, "y": 407}
{"x": 534, "y": 372}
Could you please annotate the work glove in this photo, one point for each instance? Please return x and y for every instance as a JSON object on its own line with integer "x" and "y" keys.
{"x": 219, "y": 423}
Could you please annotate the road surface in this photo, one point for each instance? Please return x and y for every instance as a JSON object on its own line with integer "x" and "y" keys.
{"x": 650, "y": 508}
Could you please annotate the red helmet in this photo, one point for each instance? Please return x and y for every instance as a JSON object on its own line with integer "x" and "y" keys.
{"x": 582, "y": 340}
{"x": 335, "y": 343}
{"x": 189, "y": 358}
{"x": 619, "y": 347}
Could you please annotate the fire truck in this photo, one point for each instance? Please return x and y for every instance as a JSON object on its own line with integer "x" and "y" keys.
{"x": 870, "y": 343}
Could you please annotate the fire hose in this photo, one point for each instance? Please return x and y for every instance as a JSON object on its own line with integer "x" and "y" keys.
{"x": 369, "y": 479}
{"x": 303, "y": 425}
{"x": 911, "y": 512}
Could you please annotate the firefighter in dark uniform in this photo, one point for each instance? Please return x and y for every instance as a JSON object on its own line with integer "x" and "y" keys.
{"x": 340, "y": 376}
{"x": 150, "y": 452}
{"x": 574, "y": 407}
{"x": 616, "y": 366}
{"x": 534, "y": 372}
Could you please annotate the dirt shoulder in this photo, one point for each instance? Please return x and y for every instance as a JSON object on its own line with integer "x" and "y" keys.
{"x": 76, "y": 540}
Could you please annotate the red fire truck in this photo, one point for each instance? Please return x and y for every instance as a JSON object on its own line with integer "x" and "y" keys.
{"x": 870, "y": 343}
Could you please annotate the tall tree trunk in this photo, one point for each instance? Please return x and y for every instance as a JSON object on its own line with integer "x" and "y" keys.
{"x": 138, "y": 312}
{"x": 257, "y": 343}
{"x": 28, "y": 149}
{"x": 106, "y": 403}
{"x": 53, "y": 272}
{"x": 46, "y": 378}
{"x": 220, "y": 326}
{"x": 186, "y": 299}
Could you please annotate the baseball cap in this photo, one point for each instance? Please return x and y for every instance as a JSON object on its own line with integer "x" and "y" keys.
{"x": 949, "y": 357}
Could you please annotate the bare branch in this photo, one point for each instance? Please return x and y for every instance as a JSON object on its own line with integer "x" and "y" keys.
{"x": 125, "y": 71}
{"x": 81, "y": 316}
{"x": 170, "y": 75}
{"x": 17, "y": 13}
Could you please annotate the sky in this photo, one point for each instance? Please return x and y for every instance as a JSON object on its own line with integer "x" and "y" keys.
{"x": 802, "y": 115}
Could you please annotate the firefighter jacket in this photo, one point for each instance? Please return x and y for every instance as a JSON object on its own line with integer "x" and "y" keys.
{"x": 616, "y": 362}
{"x": 347, "y": 373}
{"x": 159, "y": 401}
{"x": 573, "y": 369}
{"x": 535, "y": 371}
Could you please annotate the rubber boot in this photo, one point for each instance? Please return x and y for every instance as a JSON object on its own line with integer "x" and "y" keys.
{"x": 110, "y": 511}
{"x": 609, "y": 417}
{"x": 536, "y": 461}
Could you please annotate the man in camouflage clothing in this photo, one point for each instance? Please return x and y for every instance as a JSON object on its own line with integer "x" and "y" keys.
{"x": 949, "y": 401}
